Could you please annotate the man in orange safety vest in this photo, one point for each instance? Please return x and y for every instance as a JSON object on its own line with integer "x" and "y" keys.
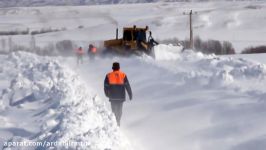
{"x": 115, "y": 85}
{"x": 79, "y": 53}
{"x": 92, "y": 51}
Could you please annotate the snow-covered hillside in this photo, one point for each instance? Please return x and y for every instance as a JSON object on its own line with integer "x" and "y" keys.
{"x": 242, "y": 23}
{"x": 31, "y": 3}
{"x": 42, "y": 101}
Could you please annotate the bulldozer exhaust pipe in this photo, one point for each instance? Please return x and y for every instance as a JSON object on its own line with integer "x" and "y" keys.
{"x": 116, "y": 33}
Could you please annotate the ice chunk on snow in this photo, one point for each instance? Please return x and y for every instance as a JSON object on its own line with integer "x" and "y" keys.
{"x": 167, "y": 52}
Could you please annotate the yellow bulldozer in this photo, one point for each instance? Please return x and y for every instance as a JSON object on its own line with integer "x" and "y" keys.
{"x": 134, "y": 41}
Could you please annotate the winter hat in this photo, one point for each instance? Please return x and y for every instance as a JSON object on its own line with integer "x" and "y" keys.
{"x": 116, "y": 66}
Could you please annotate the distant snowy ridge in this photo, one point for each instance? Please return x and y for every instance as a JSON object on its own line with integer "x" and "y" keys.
{"x": 28, "y": 3}
{"x": 41, "y": 101}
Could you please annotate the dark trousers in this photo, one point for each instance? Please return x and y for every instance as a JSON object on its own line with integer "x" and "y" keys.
{"x": 117, "y": 110}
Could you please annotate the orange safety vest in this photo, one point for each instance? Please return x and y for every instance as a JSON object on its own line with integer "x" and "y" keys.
{"x": 80, "y": 51}
{"x": 116, "y": 78}
{"x": 93, "y": 50}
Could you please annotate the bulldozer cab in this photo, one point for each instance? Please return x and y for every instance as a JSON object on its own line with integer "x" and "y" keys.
{"x": 134, "y": 39}
{"x": 130, "y": 34}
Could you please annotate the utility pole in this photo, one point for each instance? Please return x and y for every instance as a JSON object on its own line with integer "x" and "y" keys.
{"x": 191, "y": 43}
{"x": 191, "y": 39}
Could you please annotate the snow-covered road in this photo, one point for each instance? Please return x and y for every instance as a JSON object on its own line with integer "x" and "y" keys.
{"x": 188, "y": 101}
{"x": 194, "y": 102}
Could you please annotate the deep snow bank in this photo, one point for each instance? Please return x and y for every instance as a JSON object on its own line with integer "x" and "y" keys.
{"x": 197, "y": 101}
{"x": 167, "y": 52}
{"x": 41, "y": 101}
{"x": 211, "y": 70}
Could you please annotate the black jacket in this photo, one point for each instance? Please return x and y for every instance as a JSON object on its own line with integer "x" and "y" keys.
{"x": 115, "y": 91}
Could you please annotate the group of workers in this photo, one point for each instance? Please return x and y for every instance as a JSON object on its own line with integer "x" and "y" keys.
{"x": 92, "y": 51}
{"x": 115, "y": 84}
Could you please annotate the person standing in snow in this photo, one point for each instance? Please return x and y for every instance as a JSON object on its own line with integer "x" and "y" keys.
{"x": 79, "y": 53}
{"x": 115, "y": 85}
{"x": 92, "y": 51}
{"x": 151, "y": 42}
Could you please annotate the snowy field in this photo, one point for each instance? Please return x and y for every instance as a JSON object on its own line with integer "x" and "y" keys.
{"x": 181, "y": 101}
{"x": 242, "y": 23}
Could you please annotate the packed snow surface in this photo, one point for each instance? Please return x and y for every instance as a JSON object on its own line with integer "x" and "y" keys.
{"x": 185, "y": 100}
{"x": 189, "y": 101}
